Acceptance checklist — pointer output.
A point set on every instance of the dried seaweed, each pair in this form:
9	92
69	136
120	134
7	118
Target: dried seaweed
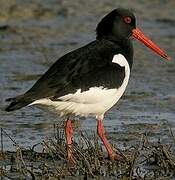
145	160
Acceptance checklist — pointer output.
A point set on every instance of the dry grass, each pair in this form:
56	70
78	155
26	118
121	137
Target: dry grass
143	161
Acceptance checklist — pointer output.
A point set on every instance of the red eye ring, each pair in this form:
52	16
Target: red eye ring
127	19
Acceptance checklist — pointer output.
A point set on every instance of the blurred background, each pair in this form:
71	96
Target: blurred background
35	33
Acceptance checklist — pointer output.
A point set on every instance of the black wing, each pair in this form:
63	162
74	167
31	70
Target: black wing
83	68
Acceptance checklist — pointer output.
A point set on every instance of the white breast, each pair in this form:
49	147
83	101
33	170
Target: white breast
95	101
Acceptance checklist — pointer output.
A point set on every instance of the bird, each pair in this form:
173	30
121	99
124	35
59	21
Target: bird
90	80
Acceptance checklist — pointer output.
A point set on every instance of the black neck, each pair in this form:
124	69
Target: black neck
126	47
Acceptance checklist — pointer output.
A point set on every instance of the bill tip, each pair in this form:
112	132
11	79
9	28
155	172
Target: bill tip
168	58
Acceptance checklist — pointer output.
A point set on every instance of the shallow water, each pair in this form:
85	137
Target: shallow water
35	34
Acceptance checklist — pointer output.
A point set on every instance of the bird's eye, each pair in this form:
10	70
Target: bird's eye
127	19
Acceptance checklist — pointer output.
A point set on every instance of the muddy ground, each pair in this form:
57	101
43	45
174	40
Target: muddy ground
34	34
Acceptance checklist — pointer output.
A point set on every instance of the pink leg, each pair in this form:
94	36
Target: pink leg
103	138
68	134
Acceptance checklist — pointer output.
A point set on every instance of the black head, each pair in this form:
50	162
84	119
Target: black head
119	24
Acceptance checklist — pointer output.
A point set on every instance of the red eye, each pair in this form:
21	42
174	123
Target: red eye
127	19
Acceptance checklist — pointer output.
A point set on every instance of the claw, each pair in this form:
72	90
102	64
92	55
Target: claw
115	157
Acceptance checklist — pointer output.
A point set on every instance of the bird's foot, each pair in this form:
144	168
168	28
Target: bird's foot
70	158
115	157
71	161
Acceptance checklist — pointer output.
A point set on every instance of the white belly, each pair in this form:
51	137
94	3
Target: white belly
95	101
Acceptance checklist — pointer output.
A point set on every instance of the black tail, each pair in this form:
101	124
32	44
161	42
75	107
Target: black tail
17	103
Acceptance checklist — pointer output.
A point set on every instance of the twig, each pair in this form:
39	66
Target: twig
136	152
2	148
9	136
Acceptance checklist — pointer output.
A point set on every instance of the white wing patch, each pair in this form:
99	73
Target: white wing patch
120	59
95	101
91	96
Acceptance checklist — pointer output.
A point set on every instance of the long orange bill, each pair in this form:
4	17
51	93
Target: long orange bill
138	34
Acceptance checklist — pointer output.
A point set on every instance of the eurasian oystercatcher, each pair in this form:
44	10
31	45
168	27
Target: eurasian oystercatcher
91	79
